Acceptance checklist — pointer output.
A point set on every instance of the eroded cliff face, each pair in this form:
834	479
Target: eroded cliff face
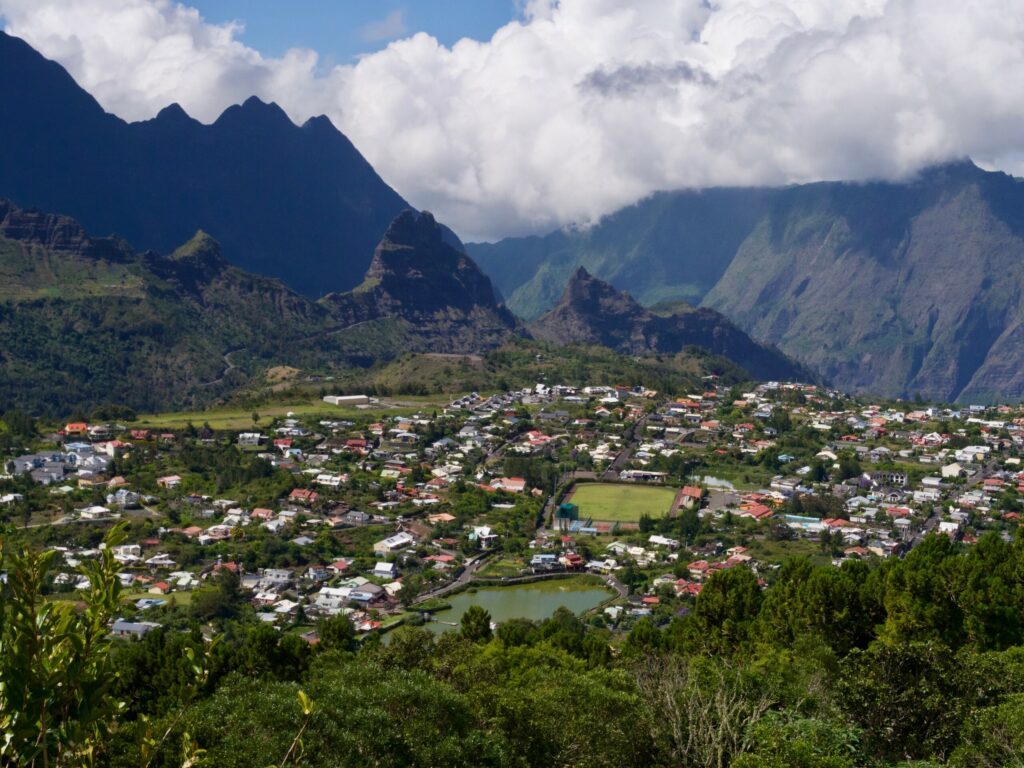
418	276
592	311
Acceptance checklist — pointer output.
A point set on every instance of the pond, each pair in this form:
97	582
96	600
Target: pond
535	601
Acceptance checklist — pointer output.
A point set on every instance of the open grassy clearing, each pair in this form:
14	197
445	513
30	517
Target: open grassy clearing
621	503
234	417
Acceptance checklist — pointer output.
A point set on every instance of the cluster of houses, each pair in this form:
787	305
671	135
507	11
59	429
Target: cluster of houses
887	474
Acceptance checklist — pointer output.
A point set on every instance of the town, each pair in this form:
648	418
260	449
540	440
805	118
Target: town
617	501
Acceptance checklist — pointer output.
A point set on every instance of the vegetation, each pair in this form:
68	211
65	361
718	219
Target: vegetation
612	502
865	665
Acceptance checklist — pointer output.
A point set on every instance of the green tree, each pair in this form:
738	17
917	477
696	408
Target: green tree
55	662
475	625
337	634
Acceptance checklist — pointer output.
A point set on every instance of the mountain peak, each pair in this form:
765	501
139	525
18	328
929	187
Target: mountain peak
418	276
592	311
256	181
580	275
254	111
175	114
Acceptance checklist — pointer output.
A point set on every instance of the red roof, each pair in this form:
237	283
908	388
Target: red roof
692	491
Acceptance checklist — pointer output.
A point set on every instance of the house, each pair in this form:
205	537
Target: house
509	484
699	570
132	630
367	593
170	481
690	495
483	535
384	570
303	496
250	439
952	470
400	540
661	541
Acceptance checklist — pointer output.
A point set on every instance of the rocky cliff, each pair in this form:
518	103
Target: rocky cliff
592	311
418	276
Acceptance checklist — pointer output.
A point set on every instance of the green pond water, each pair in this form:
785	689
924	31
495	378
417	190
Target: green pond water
527	601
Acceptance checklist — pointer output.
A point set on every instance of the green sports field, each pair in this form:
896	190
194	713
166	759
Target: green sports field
621	503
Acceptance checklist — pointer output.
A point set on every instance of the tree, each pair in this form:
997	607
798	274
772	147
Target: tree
475	625
337	633
55	662
782	740
703	710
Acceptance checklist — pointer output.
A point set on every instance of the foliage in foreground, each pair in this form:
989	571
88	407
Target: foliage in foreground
914	662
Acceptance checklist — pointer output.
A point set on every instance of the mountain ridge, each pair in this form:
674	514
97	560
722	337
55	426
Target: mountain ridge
260	184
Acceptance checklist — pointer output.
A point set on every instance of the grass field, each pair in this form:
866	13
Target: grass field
233	418
621	503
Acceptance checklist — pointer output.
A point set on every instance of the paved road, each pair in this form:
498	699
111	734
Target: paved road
629	442
464	578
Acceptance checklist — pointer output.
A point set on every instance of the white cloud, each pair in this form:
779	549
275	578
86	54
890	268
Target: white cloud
587	105
388	28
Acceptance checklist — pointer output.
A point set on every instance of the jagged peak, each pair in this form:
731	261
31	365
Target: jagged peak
200	248
413	229
581	274
174	113
255	110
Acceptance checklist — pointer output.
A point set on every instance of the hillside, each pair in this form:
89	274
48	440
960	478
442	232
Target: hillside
896	289
87	320
294	202
591	311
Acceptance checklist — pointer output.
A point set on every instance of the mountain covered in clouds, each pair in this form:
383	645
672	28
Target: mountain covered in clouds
294	202
890	288
591	311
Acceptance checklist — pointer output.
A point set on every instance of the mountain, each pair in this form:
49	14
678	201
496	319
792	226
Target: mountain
87	320
671	246
890	288
294	202
591	311
417	276
899	289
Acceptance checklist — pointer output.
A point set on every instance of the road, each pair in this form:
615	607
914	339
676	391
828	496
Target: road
464	578
629	444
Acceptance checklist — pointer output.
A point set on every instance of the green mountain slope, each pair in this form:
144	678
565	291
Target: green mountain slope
88	320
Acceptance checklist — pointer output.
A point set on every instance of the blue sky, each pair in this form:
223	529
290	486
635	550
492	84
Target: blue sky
340	30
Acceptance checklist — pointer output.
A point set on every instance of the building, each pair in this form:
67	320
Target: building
349	400
400	540
132	630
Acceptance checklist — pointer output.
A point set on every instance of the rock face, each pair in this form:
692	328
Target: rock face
894	289
899	289
591	311
294	202
418	276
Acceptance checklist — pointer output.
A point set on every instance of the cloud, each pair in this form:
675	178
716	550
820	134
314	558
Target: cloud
580	107
388	28
630	80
